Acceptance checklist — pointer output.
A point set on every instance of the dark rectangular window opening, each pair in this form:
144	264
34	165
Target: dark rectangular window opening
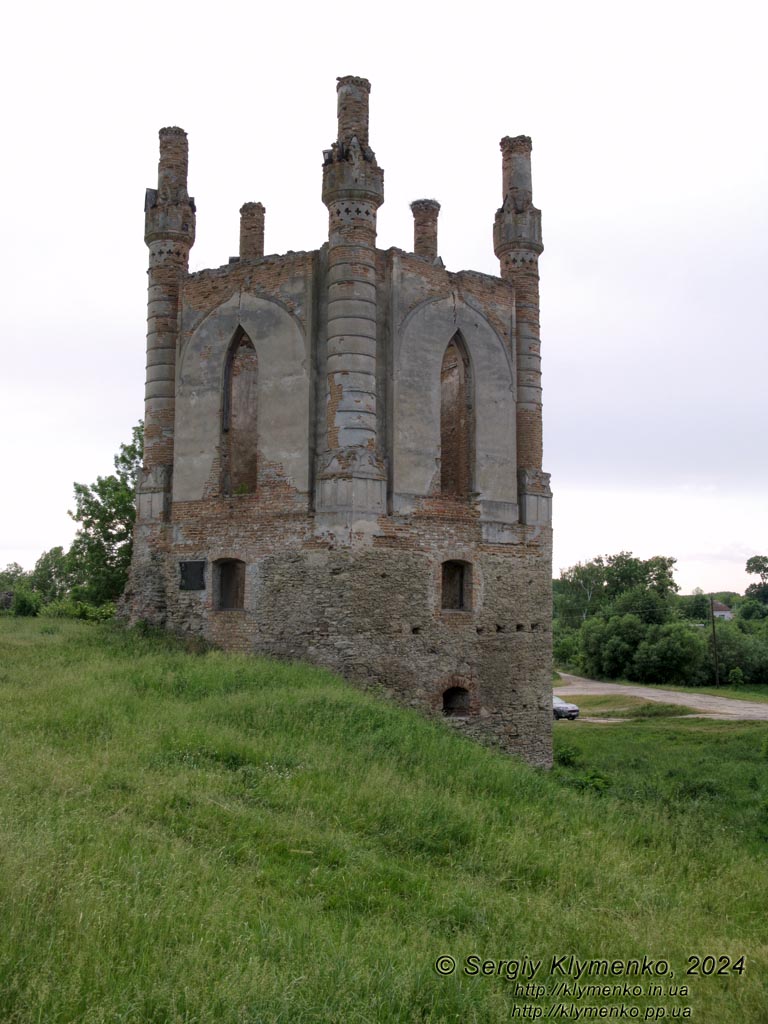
192	576
456	592
231	584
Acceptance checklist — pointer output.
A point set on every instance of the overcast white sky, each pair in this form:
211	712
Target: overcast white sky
650	157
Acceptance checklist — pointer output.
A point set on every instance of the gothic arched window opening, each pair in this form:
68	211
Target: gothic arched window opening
455	421
239	419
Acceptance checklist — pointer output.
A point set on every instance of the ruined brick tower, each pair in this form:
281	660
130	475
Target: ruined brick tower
343	450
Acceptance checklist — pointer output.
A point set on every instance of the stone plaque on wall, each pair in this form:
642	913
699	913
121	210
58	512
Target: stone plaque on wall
192	576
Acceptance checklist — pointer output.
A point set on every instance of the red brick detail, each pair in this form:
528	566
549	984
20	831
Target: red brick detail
251	231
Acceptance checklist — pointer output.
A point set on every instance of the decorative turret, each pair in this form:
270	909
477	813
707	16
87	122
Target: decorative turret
251	231
169	232
517	228
351	472
425	213
517	243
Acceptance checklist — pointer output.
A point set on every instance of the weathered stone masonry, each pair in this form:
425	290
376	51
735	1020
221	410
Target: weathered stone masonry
343	448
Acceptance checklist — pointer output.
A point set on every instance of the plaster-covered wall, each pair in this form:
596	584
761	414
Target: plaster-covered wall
418	354
283	393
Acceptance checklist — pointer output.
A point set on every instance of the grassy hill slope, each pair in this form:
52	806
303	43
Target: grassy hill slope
207	838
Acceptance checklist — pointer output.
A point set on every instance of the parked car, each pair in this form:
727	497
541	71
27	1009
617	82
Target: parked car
562	709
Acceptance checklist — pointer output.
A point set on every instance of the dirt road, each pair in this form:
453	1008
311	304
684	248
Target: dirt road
705	705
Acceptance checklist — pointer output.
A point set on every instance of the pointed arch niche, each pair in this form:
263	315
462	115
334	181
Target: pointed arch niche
284	396
239	417
417	396
456	420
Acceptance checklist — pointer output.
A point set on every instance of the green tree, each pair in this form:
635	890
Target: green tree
673	653
613	601
624	572
12	575
620	616
52	576
101	551
587	588
751	610
578	592
592	641
694	606
757	565
650	606
736	677
743	645
566	643
608	645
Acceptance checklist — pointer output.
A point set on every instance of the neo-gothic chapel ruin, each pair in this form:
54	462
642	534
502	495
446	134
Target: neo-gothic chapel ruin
342	456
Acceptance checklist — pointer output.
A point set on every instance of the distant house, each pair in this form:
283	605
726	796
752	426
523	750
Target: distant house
721	611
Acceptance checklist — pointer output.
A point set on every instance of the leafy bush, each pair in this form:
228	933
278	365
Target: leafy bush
751	610
739	647
566	644
673	653
68	608
591	779
100	612
570	757
25	601
608	647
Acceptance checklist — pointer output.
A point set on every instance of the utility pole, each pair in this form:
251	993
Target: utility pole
714	639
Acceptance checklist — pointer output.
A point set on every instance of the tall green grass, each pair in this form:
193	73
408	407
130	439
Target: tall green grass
205	838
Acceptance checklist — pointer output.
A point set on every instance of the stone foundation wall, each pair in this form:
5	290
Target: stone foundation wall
375	614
